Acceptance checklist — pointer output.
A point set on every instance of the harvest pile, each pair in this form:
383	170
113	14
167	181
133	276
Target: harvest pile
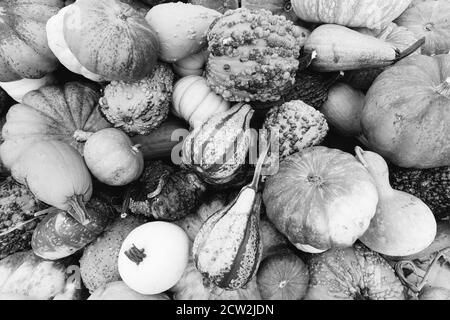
222	149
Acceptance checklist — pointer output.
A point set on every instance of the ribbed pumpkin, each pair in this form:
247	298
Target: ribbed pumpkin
354	273
24	49
108	38
195	102
407	113
321	198
57	175
217	149
350	13
429	19
64	113
228	248
283	276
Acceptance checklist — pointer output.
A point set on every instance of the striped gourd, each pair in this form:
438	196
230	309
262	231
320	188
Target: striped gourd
217	149
228	248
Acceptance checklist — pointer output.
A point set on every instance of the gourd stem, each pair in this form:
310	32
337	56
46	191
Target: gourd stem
257	175
136	148
444	88
46	211
136	255
410	50
78	211
18	226
425	277
161	184
126	203
82	136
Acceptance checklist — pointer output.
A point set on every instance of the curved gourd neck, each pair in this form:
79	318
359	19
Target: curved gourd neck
377	168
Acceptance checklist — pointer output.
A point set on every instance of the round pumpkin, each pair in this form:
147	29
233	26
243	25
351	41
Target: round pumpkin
112	158
195	102
350	13
57	175
108	38
355	273
407	113
153	257
283	276
429	19
24	52
181	28
65	113
192	286
321	198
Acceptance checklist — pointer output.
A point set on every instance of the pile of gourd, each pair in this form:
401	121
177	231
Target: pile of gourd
129	168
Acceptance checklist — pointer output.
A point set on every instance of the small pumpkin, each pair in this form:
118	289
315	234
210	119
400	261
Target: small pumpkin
339	48
321	198
18	89
63	113
350	13
118	290
153	257
98	37
27	276
283	276
57	175
416	137
354	273
343	109
112	158
193	286
24	49
403	224
180	28
429	19
59	235
193	65
195	102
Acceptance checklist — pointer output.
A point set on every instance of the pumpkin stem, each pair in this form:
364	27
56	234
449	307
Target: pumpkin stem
444	88
46	211
257	175
410	50
78	211
82	136
161	184
126	203
136	148
136	255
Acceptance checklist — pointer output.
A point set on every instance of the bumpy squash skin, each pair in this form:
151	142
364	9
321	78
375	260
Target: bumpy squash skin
59	235
406	114
320	199
64	113
24	274
242	72
25	52
429	19
350	13
111	39
180	28
354	273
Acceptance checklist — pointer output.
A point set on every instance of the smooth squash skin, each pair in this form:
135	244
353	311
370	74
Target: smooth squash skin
24	49
429	19
111	39
407	113
351	13
339	48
